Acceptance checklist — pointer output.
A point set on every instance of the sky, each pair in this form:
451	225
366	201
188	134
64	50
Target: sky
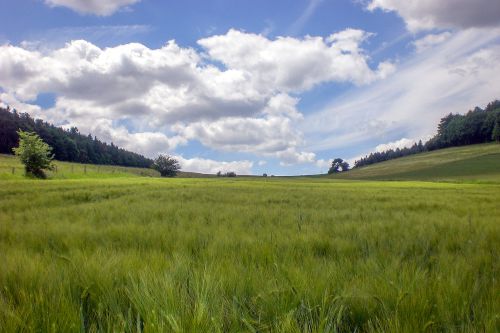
279	87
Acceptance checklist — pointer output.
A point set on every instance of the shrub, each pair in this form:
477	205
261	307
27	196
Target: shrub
35	154
166	165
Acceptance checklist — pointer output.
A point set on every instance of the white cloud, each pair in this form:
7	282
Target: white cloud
308	61
170	95
460	73
291	156
147	143
209	166
430	41
96	7
50	39
14	103
430	14
257	135
324	164
401	143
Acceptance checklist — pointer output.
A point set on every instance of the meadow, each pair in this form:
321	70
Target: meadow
141	254
472	163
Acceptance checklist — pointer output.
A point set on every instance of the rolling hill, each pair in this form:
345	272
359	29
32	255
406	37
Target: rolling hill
467	163
11	168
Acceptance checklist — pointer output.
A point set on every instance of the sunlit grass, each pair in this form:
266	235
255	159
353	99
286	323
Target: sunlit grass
474	163
260	255
11	168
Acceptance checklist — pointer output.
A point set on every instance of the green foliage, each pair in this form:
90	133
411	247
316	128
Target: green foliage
476	126
35	154
495	135
338	165
166	165
67	145
248	255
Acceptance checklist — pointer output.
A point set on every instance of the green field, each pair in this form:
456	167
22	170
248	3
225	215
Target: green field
11	168
116	252
468	163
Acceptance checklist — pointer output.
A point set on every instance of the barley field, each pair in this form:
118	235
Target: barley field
140	254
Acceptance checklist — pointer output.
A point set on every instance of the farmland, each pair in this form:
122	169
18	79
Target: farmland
134	253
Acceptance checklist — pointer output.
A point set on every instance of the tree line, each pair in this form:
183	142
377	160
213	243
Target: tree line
67	145
476	126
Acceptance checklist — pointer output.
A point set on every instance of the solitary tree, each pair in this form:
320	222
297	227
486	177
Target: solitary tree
338	165
496	130
35	154
166	165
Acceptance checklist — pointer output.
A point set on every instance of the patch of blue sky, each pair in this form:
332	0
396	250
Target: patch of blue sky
45	100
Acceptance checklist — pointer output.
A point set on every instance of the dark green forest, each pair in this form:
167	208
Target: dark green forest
476	126
67	145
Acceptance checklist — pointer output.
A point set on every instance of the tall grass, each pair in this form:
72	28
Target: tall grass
224	255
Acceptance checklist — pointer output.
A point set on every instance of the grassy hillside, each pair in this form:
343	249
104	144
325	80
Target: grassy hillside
468	163
11	168
248	255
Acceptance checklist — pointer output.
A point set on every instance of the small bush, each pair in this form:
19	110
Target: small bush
35	154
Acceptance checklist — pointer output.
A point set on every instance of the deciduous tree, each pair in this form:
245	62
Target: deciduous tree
35	154
166	165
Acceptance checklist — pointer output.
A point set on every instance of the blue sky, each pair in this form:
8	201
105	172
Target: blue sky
280	87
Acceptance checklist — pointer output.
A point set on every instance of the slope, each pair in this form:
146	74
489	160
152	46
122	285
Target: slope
467	163
11	168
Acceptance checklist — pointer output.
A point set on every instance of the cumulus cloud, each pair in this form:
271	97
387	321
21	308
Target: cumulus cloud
308	61
170	95
430	41
291	156
96	7
209	166
430	14
147	143
401	143
323	164
258	135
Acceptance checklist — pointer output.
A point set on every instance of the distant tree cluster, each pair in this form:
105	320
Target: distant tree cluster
476	126
67	145
338	165
390	154
227	174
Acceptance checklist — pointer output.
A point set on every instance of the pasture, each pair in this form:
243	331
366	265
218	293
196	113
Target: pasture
137	254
